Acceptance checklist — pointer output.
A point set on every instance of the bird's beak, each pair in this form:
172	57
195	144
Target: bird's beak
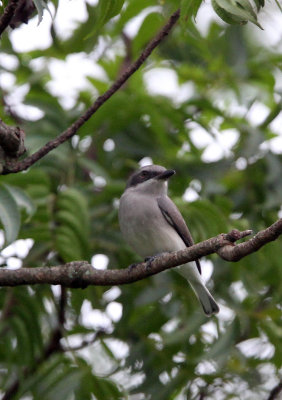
166	174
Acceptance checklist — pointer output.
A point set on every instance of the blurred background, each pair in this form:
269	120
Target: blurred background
206	103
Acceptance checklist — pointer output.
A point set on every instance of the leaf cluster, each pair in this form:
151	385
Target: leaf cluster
151	339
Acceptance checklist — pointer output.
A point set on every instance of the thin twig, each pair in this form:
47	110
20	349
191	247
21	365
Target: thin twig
85	342
275	391
72	130
81	274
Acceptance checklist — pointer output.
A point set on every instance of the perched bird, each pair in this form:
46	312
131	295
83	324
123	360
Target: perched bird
152	224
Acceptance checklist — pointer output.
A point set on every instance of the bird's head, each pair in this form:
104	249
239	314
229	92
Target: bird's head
150	179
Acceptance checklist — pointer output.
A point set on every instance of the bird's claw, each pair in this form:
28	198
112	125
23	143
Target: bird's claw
148	261
132	266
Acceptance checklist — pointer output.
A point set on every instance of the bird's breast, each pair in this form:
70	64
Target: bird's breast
144	227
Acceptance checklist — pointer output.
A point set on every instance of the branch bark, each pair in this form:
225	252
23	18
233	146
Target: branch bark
8	14
72	130
80	274
11	140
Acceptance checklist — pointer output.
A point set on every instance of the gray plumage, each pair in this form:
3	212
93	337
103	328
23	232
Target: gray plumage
151	224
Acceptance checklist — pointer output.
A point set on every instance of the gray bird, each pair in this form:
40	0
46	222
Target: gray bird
152	224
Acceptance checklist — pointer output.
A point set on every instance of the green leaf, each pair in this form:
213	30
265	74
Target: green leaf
67	244
9	215
73	201
72	226
40	5
64	384
22	199
151	24
226	16
277	2
23	339
190	8
106	9
235	11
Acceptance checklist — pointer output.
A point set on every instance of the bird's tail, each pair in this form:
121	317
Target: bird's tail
208	303
191	273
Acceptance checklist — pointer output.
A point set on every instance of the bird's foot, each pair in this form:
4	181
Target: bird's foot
132	266
149	260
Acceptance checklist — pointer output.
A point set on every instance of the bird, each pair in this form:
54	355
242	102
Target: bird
151	224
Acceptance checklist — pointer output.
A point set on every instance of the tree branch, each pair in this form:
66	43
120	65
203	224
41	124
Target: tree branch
275	391
11	140
8	15
72	130
85	342
81	274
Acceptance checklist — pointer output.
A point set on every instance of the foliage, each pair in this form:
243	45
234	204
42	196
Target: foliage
219	131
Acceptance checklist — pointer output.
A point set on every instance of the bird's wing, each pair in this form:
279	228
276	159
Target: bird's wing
173	216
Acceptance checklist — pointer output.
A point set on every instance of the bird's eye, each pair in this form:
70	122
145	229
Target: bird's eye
144	173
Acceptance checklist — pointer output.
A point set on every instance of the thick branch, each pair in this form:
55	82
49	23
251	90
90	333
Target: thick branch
72	130
8	15
81	274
